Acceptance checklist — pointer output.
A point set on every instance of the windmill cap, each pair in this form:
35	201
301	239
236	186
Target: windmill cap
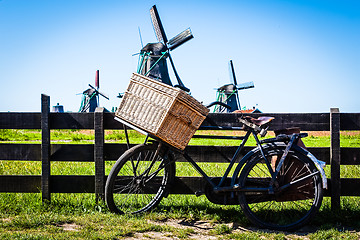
228	88
155	48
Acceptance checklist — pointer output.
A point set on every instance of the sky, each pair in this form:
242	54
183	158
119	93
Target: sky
302	55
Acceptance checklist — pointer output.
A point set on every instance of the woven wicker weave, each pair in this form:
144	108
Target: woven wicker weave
161	110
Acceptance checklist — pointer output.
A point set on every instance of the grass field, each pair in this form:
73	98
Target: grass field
78	216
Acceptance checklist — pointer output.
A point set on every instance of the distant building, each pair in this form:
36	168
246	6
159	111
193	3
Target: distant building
253	110
58	108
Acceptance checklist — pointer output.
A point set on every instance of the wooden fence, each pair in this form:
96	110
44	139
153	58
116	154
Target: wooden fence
99	152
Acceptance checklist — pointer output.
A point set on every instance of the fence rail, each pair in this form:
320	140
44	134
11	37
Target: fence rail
99	152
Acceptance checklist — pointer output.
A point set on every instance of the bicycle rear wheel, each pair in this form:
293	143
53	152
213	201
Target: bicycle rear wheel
288	207
139	180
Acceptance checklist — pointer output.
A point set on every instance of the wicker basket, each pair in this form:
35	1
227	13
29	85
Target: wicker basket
161	110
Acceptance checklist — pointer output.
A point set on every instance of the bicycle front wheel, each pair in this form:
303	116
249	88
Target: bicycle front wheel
297	192
139	180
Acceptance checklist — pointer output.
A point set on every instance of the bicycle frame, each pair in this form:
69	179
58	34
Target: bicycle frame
227	171
220	187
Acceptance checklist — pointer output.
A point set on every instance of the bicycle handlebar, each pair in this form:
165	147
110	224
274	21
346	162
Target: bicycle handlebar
218	103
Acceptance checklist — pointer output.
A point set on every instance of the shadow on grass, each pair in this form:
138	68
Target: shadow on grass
341	220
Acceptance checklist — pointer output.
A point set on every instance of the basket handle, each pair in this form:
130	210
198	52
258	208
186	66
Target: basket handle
183	117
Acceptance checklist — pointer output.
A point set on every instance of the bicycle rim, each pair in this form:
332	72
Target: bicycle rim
139	180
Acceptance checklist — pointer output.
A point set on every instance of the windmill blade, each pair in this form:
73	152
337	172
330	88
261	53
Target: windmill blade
245	85
97	83
181	84
92	86
98	92
104	95
141	41
180	39
158	27
233	73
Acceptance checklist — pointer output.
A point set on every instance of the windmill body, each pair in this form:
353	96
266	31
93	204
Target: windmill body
154	62
229	93
91	96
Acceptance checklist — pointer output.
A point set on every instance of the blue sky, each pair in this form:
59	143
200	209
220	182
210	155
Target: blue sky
302	55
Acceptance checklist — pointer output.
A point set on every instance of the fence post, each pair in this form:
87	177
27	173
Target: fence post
335	158
99	153
45	148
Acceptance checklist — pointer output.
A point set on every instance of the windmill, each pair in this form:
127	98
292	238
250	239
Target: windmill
229	93
91	96
152	61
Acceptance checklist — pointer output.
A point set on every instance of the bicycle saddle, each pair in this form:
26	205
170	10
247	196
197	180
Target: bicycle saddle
260	120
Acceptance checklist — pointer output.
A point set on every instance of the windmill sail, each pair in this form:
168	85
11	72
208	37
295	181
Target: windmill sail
180	39
158	27
245	85
97	83
232	71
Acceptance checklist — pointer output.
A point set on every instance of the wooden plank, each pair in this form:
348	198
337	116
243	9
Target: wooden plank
72	152
350	187
321	153
72	184
212	153
20	183
45	148
22	152
307	122
349	121
20	120
72	120
99	153
112	151
188	185
110	122
335	158
350	156
86	184
59	184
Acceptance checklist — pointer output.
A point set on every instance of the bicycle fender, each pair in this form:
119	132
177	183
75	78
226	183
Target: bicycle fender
318	164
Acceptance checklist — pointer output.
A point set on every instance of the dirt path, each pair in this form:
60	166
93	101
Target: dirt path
205	230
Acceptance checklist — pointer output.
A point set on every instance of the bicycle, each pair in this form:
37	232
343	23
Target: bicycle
278	184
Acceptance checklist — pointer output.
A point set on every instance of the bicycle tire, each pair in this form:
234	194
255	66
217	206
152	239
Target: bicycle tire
135	184
284	210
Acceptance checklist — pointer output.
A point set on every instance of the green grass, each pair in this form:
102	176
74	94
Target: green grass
25	216
347	139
